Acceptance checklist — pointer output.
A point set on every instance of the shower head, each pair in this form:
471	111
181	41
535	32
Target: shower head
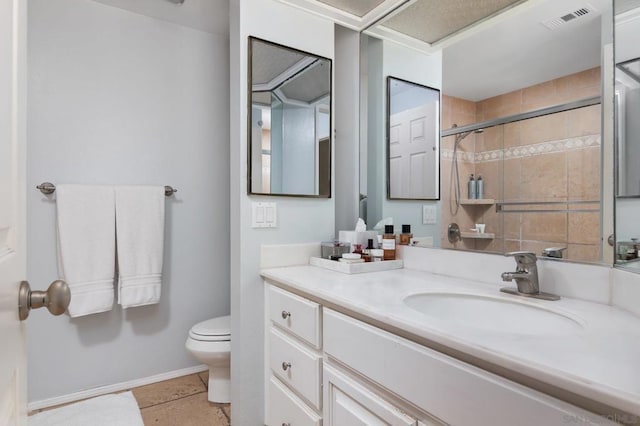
461	136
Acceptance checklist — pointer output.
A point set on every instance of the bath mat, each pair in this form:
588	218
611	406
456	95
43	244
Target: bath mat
108	410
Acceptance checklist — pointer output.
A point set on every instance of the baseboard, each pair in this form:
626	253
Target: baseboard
116	387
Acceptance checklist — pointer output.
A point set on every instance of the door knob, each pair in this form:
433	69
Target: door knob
56	298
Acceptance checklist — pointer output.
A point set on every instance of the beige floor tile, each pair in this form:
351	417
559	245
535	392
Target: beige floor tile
169	390
193	410
227	410
204	376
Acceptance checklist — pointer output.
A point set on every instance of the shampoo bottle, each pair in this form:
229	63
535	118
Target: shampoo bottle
389	243
472	188
479	188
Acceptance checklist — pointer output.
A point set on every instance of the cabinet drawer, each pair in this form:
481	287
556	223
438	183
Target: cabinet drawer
287	409
451	390
347	403
296	315
303	367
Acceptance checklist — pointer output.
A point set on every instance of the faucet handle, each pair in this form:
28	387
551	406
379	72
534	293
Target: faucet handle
524	257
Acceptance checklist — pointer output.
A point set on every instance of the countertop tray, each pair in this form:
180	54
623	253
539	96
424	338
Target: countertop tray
355	268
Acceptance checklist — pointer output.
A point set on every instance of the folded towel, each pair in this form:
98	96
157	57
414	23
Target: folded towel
86	246
140	241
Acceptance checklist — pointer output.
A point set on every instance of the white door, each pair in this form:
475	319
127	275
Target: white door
412	152
12	210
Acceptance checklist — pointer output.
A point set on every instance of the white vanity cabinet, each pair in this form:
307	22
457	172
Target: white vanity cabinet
328	368
294	359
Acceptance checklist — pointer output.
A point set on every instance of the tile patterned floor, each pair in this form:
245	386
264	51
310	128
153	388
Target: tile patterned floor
179	402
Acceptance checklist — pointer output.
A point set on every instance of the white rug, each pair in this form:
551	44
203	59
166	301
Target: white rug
108	410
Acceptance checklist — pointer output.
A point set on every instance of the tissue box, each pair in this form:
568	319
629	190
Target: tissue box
357	237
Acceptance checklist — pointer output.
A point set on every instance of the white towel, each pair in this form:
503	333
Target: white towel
140	241
107	410
86	246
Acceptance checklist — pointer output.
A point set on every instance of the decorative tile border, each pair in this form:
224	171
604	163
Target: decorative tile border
549	147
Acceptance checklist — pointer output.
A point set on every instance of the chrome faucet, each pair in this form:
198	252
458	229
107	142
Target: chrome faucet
526	277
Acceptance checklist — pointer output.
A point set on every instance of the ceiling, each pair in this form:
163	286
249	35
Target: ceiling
355	7
211	16
433	20
294	76
520	51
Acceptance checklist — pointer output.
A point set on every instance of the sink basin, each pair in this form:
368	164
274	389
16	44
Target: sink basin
493	314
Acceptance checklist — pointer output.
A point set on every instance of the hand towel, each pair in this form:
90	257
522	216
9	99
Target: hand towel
86	246
140	243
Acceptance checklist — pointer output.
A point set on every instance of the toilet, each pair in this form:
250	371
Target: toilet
210	342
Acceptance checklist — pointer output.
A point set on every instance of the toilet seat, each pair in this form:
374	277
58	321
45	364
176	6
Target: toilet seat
212	330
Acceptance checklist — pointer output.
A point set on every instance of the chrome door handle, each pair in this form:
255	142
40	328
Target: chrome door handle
286	365
56	298
286	314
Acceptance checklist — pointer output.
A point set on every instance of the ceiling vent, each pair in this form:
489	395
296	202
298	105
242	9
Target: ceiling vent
556	23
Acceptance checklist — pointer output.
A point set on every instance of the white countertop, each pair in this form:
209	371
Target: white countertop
600	362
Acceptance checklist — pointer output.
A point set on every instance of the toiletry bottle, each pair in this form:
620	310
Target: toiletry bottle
405	237
479	188
472	187
389	243
366	253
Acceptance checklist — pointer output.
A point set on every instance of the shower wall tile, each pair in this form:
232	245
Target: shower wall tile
491	173
583	252
511	179
501	106
491	139
512	225
584	228
584	121
550	158
511	134
544	177
543	129
583	170
545	227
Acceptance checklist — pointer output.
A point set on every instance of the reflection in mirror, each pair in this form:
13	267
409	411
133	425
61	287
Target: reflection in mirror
289	151
521	112
413	140
627	95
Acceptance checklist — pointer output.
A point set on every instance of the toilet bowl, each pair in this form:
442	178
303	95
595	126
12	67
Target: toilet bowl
210	342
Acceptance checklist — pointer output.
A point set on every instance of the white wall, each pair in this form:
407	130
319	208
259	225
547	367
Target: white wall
299	150
120	98
347	124
299	219
390	59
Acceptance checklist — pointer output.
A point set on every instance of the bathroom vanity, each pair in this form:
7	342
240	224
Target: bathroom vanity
409	347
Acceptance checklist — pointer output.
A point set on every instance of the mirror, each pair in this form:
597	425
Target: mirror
627	97
413	141
522	106
289	138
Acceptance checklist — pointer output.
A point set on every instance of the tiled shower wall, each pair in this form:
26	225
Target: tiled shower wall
551	158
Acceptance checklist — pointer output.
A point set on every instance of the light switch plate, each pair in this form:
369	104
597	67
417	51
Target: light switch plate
428	214
263	215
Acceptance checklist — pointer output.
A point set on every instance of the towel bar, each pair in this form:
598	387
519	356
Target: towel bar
48	188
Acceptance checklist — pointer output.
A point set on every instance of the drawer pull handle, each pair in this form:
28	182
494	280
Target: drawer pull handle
286	314
286	424
286	365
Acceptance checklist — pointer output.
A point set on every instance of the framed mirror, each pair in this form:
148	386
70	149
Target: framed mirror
413	141
289	121
627	132
526	148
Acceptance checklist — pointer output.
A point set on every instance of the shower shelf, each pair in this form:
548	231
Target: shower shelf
478	202
478	236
